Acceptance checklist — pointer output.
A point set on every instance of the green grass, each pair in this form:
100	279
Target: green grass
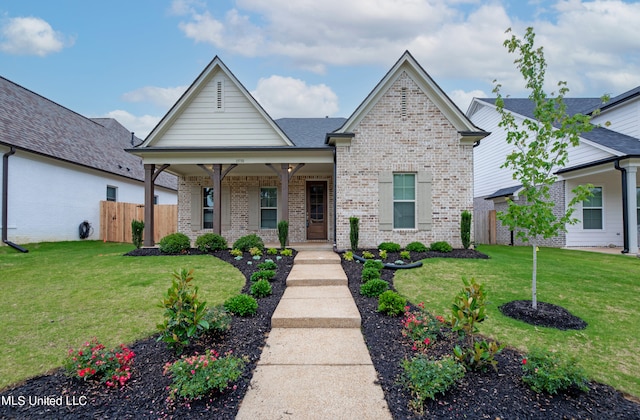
60	295
603	290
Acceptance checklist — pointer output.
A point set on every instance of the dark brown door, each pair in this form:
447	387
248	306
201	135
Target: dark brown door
317	210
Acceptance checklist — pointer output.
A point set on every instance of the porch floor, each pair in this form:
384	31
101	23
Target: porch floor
603	250
304	246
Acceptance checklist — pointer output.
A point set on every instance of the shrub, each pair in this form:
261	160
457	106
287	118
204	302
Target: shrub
416	247
247	242
260	289
195	376
267	265
286	252
184	312
211	242
354	232
367	255
137	228
283	233
241	305
94	362
236	252
405	255
374	288
175	243
272	251
377	264
465	229
219	319
390	303
425	378
348	256
421	327
548	372
370	274
469	309
255	252
263	275
389	246
441	246
382	253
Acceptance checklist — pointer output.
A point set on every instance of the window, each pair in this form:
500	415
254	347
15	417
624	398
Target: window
155	199
112	193
268	208
404	201
592	210
207	208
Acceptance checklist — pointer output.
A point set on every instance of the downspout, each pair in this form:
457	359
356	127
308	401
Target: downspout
335	196
625	210
5	199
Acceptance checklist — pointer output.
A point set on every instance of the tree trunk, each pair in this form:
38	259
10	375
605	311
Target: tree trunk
534	292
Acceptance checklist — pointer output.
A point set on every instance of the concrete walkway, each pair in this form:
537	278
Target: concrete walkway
315	364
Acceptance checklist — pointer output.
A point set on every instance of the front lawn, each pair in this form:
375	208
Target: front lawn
59	295
603	290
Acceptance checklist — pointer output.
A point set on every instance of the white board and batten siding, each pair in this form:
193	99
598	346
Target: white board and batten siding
220	115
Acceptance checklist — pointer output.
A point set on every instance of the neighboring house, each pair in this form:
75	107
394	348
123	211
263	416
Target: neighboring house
607	157
58	165
401	163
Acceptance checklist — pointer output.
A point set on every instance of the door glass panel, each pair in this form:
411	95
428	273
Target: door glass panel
316	198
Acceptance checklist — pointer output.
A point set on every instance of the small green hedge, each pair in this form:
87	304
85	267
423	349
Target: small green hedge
175	243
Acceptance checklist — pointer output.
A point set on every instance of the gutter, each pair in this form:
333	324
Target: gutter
5	199
625	210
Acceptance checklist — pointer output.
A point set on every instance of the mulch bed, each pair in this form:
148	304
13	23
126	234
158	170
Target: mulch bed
479	395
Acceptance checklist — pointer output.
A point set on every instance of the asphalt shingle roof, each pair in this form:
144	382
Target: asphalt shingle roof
309	132
36	124
622	143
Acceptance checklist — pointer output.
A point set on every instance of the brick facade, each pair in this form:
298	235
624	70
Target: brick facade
409	135
239	187
503	234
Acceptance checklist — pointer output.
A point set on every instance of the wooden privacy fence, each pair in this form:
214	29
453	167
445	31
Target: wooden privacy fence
115	220
485	227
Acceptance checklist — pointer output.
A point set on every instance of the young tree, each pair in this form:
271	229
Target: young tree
540	146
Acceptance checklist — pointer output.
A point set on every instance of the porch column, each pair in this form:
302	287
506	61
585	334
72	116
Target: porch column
632	206
216	177
284	181
149	224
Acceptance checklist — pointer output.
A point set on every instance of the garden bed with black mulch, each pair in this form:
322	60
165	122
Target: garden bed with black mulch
480	394
145	395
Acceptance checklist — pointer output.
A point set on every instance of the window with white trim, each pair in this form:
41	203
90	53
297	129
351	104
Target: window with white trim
404	201
207	208
592	210
112	193
268	208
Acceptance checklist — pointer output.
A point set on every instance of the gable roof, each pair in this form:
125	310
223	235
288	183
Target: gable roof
407	63
35	124
617	142
214	68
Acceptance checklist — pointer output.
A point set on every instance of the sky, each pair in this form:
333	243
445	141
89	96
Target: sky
132	59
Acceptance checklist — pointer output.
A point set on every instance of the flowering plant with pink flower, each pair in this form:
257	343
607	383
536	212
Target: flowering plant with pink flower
93	361
195	376
421	327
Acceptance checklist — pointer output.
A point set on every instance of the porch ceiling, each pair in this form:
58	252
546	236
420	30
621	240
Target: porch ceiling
253	169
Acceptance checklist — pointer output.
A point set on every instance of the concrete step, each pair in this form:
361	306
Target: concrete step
316	307
317	275
317	257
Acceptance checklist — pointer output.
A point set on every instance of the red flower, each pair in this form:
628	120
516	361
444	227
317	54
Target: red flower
524	361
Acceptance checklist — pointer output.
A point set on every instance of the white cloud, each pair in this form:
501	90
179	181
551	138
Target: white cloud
140	125
289	97
31	36
463	99
162	97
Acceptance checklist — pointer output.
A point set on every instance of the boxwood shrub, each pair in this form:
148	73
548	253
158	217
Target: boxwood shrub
242	305
211	242
245	243
441	246
390	303
175	243
389	247
374	288
417	247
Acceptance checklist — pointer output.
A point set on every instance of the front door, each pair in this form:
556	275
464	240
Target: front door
317	210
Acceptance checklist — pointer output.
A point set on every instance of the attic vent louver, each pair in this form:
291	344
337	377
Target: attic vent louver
219	96
403	102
